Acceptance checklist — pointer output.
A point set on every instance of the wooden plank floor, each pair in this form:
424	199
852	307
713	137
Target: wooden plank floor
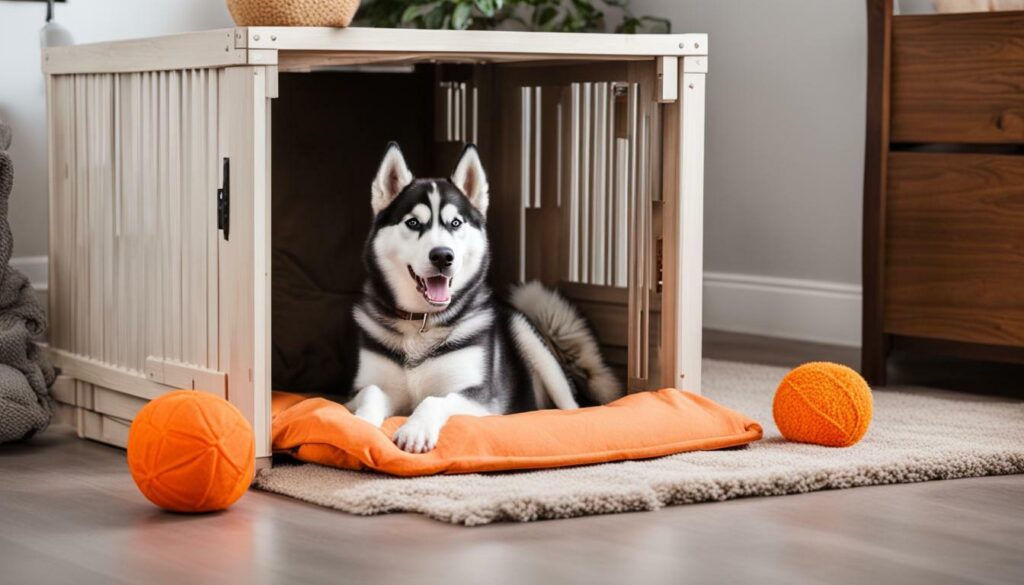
69	513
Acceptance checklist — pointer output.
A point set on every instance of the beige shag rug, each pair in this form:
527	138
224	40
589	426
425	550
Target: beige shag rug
917	435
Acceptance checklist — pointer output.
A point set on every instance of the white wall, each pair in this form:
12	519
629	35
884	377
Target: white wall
784	164
22	97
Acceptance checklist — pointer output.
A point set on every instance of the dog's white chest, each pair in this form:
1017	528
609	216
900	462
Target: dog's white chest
417	343
428	372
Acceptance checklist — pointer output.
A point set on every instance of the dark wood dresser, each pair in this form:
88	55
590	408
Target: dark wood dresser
944	186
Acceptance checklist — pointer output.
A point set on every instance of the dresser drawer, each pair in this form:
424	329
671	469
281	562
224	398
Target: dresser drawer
958	78
954	251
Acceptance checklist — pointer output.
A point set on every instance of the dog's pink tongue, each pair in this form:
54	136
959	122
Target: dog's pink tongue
437	289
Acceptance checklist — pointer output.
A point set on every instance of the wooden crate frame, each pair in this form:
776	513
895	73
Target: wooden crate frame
127	317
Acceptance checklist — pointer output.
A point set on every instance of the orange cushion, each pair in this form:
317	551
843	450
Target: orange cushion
638	426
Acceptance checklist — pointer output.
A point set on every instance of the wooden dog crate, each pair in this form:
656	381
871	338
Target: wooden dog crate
209	197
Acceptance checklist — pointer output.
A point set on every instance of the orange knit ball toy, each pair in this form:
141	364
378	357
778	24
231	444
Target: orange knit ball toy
823	403
189	451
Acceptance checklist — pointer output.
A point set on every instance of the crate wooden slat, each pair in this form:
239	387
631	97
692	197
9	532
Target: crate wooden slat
480	44
96	412
243	257
102	427
213	48
304	47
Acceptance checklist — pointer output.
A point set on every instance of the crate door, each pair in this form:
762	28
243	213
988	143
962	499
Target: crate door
244	243
133	270
577	195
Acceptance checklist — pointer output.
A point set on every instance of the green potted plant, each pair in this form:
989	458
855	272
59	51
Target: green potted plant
539	15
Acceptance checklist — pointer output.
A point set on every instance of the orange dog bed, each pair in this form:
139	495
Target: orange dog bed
638	426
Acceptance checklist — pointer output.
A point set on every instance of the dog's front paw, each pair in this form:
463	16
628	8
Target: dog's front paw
417	436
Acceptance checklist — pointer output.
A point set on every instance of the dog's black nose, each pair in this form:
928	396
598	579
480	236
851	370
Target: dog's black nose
442	257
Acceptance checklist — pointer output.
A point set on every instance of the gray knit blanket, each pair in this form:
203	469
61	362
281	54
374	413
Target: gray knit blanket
25	374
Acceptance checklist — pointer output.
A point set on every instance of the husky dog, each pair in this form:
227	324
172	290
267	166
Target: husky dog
434	340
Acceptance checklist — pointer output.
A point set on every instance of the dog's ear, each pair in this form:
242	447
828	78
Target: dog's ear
469	176
392	177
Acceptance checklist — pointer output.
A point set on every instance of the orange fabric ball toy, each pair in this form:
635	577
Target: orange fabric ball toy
189	451
823	403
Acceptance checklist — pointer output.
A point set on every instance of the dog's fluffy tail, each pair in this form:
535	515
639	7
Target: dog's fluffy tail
571	340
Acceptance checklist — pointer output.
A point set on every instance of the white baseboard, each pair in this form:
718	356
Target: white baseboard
35	268
808	310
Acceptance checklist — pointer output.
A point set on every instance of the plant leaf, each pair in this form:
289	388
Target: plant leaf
546	15
487	7
561	15
435	17
461	17
414	11
411	13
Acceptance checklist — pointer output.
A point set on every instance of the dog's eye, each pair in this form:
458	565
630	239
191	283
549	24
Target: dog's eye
456	223
413	223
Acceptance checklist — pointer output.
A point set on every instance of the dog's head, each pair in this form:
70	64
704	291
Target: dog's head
428	240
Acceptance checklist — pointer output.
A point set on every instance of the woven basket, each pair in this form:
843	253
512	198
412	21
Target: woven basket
292	12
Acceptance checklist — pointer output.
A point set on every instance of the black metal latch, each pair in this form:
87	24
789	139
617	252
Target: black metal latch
224	201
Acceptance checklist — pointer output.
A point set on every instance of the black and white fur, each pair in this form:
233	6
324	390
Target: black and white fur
434	339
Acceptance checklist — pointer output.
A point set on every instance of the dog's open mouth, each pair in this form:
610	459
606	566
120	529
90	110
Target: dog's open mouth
436	289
